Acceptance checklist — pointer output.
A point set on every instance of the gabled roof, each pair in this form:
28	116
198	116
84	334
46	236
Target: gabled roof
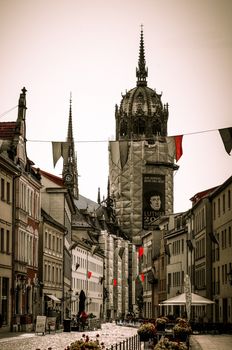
56	179
7	130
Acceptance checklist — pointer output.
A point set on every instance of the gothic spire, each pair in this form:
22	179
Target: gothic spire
141	71
70	173
70	130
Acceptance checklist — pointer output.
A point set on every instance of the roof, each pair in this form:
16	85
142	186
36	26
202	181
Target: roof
56	179
86	203
221	187
7	130
200	195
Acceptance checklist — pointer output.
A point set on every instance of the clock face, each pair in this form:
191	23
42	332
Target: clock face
68	177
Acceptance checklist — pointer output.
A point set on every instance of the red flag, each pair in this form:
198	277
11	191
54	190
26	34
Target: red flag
115	282
178	143
89	274
142	277
140	251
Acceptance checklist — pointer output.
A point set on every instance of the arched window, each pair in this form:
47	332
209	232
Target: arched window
123	128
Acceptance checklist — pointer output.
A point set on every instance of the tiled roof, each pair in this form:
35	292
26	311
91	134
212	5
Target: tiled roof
7	130
86	203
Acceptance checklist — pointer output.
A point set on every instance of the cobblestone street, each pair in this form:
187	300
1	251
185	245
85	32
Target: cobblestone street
109	334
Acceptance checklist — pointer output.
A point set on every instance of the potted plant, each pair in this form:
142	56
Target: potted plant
146	331
161	322
182	329
165	343
85	343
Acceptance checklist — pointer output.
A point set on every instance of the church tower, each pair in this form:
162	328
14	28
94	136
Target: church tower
70	174
141	163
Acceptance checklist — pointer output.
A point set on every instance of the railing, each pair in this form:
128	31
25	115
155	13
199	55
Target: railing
131	343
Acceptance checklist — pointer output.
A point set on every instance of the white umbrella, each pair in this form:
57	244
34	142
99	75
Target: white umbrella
188	295
181	300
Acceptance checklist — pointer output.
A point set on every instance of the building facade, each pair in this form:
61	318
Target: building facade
8	174
221	246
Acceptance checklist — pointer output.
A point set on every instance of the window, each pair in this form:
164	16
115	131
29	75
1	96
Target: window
214	210
8	192
49	241
2	239
219	205
229	236
2	189
223	203
46	240
8	241
229	200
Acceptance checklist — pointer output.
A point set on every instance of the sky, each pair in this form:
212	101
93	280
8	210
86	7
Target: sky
90	48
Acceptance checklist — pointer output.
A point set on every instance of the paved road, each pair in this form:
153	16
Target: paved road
109	334
212	342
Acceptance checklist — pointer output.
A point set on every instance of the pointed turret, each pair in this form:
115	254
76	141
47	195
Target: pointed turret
141	71
98	196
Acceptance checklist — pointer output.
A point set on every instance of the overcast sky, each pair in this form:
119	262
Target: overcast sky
91	48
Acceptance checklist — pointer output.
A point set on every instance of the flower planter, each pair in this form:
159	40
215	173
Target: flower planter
181	337
145	337
160	327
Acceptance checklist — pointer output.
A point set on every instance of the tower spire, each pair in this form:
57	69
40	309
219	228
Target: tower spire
141	71
70	129
70	173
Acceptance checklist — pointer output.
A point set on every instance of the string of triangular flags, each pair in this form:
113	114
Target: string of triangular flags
225	133
119	148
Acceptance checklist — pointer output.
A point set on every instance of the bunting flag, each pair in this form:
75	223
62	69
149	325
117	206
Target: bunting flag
89	274
175	146
178	143
142	277
123	148
115	282
60	149
140	251
226	135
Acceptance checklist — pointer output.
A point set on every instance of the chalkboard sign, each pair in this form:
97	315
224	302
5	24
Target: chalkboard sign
40	324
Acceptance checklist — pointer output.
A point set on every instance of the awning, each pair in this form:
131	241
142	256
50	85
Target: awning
53	297
181	300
